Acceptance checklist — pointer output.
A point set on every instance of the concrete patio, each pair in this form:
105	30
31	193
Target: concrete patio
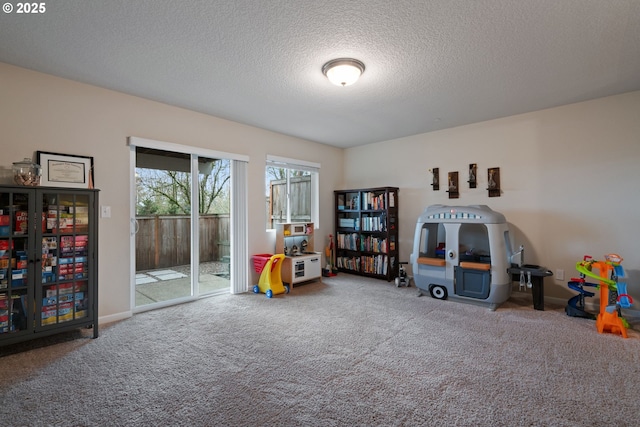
171	283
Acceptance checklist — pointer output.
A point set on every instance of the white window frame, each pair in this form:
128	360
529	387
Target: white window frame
314	168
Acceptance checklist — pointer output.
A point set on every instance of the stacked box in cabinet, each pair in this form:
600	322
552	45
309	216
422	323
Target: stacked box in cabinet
49	284
366	232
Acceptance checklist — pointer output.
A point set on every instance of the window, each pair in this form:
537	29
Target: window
291	191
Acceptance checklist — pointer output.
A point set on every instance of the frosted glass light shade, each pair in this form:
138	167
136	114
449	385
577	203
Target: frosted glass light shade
343	71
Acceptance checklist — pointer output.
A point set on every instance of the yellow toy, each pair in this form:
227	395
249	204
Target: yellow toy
269	267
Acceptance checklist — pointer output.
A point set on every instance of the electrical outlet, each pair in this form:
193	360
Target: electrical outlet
559	274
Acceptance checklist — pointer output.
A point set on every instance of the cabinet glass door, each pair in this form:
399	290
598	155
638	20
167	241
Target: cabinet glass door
15	269
64	293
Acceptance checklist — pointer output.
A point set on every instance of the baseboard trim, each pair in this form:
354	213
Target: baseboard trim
592	307
114	317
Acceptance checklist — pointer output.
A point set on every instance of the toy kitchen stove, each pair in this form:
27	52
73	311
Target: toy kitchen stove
301	263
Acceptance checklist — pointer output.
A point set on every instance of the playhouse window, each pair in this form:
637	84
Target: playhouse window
473	241
432	238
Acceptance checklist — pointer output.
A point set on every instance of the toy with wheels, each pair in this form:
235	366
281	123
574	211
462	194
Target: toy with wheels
403	279
270	267
438	292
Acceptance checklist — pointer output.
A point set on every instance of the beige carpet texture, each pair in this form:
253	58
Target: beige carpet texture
347	351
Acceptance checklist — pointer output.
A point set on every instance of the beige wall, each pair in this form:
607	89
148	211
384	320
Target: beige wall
569	175
41	112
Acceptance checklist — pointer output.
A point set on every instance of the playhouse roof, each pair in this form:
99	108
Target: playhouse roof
473	214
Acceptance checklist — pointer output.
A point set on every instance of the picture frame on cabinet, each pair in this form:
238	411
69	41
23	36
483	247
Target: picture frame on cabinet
65	170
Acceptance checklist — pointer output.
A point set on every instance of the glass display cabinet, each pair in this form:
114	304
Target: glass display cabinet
48	261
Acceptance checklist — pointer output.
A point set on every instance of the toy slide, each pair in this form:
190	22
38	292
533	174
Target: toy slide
583	269
624	299
575	306
618	271
577	285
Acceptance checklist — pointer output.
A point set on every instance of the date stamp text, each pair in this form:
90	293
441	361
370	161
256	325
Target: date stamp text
25	8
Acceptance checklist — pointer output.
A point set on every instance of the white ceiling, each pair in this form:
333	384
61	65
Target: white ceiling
430	64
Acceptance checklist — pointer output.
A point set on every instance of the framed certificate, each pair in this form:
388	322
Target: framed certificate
65	170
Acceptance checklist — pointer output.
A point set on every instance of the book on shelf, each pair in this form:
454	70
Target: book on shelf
374	223
373	201
373	244
347	222
374	264
348	241
348	263
354	201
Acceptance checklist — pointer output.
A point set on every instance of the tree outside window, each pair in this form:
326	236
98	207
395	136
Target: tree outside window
168	192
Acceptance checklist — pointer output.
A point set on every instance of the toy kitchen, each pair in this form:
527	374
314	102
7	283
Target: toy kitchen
301	263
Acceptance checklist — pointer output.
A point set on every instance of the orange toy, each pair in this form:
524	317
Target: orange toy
608	319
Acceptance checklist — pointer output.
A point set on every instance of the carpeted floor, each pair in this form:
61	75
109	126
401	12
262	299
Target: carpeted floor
345	352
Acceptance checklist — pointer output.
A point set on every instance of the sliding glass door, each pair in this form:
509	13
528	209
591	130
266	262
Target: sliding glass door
213	225
182	220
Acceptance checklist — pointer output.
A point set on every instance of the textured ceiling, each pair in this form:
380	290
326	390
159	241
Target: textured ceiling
430	64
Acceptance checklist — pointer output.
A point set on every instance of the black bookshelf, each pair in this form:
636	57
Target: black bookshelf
366	232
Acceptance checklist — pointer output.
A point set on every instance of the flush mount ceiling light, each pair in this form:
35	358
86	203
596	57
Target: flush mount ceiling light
343	71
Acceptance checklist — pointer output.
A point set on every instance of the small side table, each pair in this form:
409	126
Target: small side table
533	276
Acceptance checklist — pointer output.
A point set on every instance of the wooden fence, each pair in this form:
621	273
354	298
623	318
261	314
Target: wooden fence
300	200
164	241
